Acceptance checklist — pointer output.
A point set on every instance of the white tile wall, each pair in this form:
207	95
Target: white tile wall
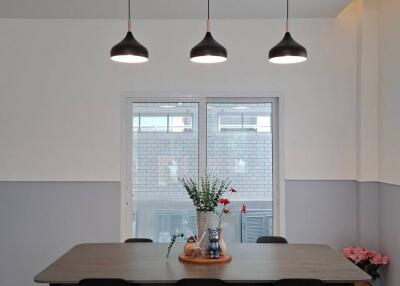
244	157
159	158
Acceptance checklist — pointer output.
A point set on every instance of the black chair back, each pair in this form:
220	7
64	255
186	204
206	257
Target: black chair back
138	240
299	282
200	282
103	282
271	239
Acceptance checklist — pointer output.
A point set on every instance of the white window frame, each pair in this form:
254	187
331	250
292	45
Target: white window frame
202	100
168	116
242	115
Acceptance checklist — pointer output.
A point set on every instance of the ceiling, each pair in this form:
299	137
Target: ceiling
169	9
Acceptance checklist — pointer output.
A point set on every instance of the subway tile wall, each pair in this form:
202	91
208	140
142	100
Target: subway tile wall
244	157
159	159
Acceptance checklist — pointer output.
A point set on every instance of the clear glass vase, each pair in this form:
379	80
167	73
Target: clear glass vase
204	222
222	244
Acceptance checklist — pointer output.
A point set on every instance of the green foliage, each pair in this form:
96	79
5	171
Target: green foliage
172	242
370	268
206	192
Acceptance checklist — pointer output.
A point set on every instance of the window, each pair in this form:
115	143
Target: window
165	145
174	123
241	122
180	123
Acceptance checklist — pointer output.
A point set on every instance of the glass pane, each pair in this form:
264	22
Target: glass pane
228	123
153	123
136	123
245	157
180	123
257	123
164	149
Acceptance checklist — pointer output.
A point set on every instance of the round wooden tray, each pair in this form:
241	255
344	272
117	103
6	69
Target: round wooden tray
198	260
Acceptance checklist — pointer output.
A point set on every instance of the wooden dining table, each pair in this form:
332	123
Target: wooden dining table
146	263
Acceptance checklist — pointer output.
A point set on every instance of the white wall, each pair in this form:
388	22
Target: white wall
368	89
389	91
60	93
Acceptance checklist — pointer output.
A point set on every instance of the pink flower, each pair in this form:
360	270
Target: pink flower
359	254
356	254
243	209
379	259
224	201
226	211
358	249
385	260
371	253
232	190
347	252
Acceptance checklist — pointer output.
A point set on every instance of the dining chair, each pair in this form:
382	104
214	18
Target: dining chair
200	282
103	282
138	240
299	282
271	239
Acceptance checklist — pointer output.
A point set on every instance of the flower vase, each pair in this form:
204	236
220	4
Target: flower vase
222	244
204	222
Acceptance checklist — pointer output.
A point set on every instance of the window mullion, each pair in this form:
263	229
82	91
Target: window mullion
202	124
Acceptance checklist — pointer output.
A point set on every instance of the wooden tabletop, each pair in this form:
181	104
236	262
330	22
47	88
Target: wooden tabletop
251	263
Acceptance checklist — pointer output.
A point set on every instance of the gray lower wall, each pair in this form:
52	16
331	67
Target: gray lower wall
390	231
39	221
341	213
321	212
368	214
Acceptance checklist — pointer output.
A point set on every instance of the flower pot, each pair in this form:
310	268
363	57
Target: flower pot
204	222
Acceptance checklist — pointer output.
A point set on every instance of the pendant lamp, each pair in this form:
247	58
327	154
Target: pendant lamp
287	51
208	51
129	50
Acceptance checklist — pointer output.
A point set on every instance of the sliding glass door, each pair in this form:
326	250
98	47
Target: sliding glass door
228	138
164	148
239	147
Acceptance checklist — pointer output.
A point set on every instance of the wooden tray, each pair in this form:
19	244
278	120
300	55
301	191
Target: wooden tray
198	260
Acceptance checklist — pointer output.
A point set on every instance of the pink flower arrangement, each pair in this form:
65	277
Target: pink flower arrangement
243	210
368	260
224	201
222	209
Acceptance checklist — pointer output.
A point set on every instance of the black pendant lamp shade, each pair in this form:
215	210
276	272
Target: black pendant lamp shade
287	51
129	50
208	51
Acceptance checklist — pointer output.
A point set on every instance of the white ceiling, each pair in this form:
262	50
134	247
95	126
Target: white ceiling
169	9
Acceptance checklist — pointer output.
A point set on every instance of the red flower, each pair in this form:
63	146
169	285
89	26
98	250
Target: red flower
232	190
224	201
244	209
226	211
